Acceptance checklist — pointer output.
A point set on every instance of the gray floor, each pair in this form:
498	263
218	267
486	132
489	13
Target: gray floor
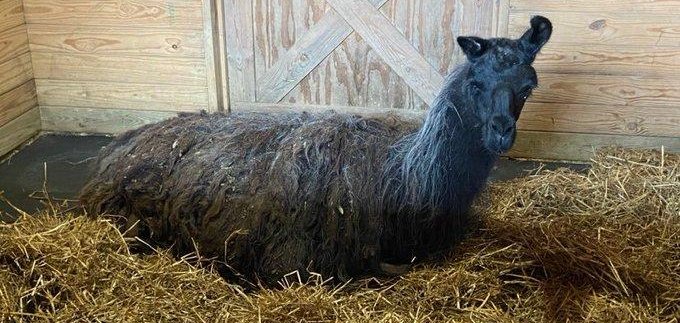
69	159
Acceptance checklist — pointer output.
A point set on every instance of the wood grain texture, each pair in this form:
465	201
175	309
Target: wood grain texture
602	119
580	147
15	72
594	59
210	38
17	102
305	54
238	22
185	14
97	121
353	74
501	16
391	46
123	69
11	14
640	7
220	55
625	29
19	130
13	42
121	40
121	95
606	90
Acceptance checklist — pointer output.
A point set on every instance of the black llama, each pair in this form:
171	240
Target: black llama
336	194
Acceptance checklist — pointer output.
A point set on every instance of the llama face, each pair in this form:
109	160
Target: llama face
501	79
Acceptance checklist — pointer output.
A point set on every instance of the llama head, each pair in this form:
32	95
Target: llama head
500	79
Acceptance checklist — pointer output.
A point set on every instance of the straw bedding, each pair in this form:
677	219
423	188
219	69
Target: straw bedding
601	246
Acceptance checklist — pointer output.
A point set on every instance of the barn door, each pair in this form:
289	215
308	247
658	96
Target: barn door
346	54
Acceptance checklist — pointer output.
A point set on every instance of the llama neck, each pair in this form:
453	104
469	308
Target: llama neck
444	164
434	175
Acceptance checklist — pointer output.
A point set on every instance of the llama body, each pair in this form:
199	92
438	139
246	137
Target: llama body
337	194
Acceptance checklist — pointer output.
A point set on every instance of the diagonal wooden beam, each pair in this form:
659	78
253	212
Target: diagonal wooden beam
391	45
305	55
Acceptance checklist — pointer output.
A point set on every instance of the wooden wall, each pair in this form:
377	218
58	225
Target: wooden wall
347	53
19	116
107	66
608	76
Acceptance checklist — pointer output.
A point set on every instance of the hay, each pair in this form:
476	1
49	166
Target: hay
603	246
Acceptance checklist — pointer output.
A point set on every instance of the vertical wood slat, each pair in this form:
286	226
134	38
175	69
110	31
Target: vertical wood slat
221	55
238	22
390	44
210	36
476	17
501	17
307	52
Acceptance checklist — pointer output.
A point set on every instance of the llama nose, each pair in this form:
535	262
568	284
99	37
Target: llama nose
503	131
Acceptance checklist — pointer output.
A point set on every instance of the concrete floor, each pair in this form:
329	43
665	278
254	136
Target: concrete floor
69	160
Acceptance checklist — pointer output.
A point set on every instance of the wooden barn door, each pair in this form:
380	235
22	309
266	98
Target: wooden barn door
346	54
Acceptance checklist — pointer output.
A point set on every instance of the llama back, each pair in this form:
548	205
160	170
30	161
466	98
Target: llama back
267	194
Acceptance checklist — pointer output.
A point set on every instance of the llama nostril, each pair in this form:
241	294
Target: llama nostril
508	131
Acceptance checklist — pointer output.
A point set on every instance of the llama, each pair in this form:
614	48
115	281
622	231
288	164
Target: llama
337	194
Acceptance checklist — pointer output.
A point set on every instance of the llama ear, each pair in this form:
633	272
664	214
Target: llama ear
473	47
539	34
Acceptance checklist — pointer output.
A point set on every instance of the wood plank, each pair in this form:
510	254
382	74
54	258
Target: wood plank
15	72
625	29
17	102
580	147
19	130
185	14
610	60
222	72
210	40
124	69
606	90
11	14
390	44
121	95
434	40
476	18
238	21
353	74
106	121
501	17
307	52
603	119
120	40
13	42
655	7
